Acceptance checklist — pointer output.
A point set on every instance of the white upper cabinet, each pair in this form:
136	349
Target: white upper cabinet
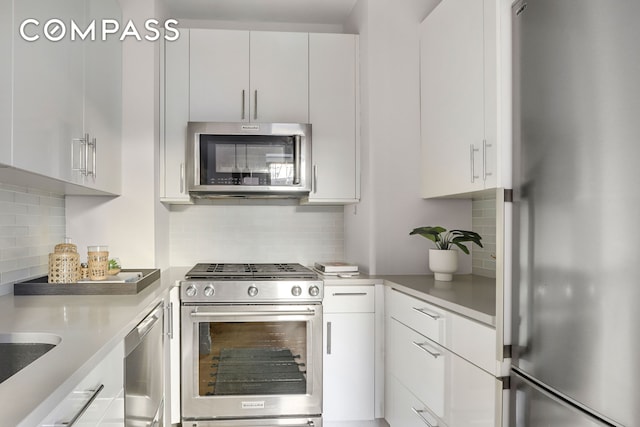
103	103
63	91
279	77
333	113
175	101
48	91
218	79
248	76
459	111
6	16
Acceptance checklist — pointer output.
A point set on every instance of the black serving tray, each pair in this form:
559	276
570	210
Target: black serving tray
40	285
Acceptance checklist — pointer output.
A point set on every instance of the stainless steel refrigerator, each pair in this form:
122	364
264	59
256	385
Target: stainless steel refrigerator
576	260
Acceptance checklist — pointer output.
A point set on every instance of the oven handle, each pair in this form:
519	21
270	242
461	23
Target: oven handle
308	312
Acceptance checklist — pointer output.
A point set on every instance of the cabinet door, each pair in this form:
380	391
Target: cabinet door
103	102
6	65
48	84
219	75
279	77
333	116
175	118
452	98
348	367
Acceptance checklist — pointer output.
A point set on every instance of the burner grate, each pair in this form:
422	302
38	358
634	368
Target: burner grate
272	271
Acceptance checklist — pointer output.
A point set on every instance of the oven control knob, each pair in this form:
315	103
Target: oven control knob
209	291
314	291
191	291
296	291
253	291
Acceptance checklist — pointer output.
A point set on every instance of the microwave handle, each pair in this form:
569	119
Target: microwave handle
298	158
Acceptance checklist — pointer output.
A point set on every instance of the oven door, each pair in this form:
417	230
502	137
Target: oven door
249	361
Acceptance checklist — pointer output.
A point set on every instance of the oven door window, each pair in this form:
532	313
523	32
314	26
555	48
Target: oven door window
264	160
252	358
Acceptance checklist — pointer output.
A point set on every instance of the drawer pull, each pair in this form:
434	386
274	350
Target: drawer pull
76	417
434	316
424	347
423	414
349	294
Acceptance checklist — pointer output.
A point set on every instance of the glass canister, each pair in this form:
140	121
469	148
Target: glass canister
98	260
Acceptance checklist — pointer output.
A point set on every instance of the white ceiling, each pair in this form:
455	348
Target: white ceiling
286	11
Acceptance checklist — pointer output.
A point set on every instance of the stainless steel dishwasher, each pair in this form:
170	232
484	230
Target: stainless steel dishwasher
144	372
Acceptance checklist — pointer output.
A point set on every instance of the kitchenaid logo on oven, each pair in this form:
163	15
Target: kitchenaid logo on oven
55	30
258	404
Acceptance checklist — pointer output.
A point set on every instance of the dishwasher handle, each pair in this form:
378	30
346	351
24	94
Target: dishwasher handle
136	336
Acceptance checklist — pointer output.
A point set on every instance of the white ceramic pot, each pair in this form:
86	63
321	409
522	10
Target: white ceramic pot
443	263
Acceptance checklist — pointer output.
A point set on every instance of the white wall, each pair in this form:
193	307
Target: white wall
132	223
376	231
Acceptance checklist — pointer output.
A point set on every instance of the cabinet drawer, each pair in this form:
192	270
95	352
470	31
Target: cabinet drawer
349	299
425	318
97	391
418	364
472	340
444	384
406	410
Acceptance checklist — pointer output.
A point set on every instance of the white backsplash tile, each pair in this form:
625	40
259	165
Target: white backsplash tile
255	233
32	222
484	223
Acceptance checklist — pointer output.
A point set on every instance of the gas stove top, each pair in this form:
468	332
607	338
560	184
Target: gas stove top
251	283
250	272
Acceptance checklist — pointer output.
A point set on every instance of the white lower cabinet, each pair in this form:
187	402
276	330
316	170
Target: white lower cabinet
97	400
428	382
348	360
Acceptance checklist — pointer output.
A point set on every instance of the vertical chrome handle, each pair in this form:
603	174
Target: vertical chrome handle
83	143
242	117
485	174
86	155
182	178
422	414
315	179
297	147
255	105
328	337
170	320
94	149
472	151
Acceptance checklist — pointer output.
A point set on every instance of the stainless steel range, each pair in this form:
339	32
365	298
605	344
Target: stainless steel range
251	346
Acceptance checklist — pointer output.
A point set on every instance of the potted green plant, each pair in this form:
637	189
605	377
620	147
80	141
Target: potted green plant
443	260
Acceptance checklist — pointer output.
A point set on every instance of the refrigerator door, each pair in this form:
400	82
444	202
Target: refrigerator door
535	407
577	201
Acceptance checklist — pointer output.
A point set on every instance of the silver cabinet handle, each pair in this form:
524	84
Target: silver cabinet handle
182	178
242	116
472	151
94	147
349	294
170	320
434	316
76	417
425	347
255	105
84	141
485	174
315	179
297	146
421	414
328	337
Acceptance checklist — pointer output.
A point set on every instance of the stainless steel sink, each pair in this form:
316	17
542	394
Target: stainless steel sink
18	350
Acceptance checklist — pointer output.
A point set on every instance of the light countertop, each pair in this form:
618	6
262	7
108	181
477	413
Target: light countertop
469	295
90	326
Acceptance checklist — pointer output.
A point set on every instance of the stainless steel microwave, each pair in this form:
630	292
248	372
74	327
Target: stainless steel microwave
248	159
